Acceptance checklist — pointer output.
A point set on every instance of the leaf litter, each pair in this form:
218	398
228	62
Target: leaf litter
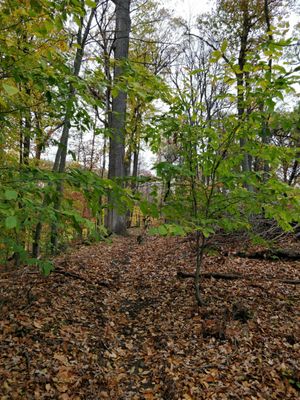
128	328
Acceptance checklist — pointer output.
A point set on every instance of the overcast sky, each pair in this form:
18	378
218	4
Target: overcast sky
190	8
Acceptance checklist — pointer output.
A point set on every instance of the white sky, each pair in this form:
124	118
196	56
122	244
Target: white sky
190	8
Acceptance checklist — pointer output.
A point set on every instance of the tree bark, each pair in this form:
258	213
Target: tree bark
116	222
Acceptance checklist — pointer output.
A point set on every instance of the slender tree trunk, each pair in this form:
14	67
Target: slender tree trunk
127	160
21	139
61	154
266	133
116	222
136	146
38	139
241	88
26	146
295	168
135	167
93	142
100	219
27	134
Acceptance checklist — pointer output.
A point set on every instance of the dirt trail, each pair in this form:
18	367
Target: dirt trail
129	328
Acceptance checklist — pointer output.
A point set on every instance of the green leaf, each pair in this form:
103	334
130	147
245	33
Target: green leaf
224	46
168	230
160	230
10	90
46	267
148	208
91	3
216	55
207	232
10	195
11	222
176	230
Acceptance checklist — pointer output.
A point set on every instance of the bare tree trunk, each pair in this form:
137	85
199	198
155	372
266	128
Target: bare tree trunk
116	222
127	160
21	139
241	84
61	154
26	147
93	142
38	139
27	133
136	146
266	133
135	167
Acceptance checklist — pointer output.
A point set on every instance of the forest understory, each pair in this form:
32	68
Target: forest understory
116	322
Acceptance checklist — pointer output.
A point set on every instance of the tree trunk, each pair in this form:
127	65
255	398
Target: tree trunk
116	222
241	86
61	154
26	148
266	133
135	169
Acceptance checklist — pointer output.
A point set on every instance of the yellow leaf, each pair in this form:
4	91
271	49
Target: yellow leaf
62	358
48	387
104	395
37	324
64	396
148	396
66	375
129	346
62	388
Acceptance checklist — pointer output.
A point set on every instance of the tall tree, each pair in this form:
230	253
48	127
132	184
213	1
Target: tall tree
116	221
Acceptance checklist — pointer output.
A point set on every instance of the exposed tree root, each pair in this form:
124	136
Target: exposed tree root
76	276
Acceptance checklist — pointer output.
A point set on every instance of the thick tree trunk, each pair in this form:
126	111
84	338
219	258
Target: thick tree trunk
116	222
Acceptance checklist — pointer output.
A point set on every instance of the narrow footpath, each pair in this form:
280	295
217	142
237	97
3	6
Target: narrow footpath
115	322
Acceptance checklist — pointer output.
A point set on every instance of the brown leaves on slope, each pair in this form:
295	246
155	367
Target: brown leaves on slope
130	329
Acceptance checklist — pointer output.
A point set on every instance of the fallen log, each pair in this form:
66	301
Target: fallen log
271	254
290	281
215	275
235	276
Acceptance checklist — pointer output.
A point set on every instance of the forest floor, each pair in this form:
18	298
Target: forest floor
117	323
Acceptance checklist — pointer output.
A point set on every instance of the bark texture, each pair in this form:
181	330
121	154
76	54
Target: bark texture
116	222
